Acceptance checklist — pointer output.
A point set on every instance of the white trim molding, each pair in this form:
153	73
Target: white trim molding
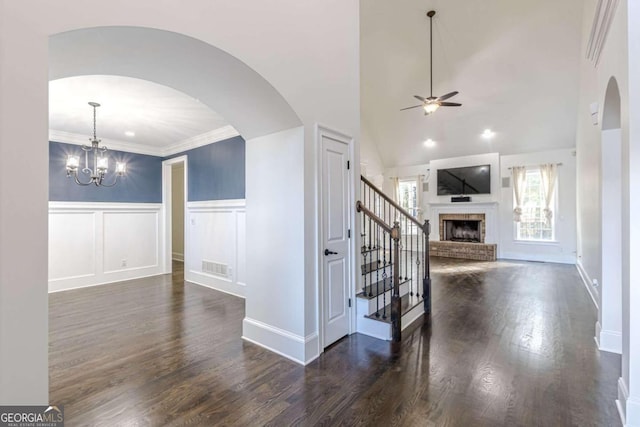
167	202
214	232
111	144
602	19
90	243
610	341
201	140
294	347
321	131
628	406
588	283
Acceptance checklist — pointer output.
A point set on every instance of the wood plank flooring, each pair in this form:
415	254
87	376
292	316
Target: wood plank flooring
509	344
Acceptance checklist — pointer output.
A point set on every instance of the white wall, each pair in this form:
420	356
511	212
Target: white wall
563	249
314	67
370	160
216	233
96	243
609	293
275	312
498	205
620	59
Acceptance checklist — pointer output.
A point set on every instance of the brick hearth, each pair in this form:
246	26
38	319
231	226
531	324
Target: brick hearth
464	250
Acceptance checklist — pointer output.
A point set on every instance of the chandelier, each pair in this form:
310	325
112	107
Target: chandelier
100	168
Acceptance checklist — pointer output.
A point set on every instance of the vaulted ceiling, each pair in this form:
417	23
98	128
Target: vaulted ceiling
515	64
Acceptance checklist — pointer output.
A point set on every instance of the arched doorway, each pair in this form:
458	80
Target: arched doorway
609	326
260	36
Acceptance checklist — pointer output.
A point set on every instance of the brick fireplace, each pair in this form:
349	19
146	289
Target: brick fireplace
462	227
462	235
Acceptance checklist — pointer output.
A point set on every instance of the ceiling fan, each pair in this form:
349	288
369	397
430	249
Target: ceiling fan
432	103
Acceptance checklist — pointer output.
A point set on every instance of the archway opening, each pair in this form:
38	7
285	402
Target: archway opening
609	326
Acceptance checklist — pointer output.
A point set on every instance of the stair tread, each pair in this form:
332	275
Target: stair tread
382	286
373	266
365	250
407	303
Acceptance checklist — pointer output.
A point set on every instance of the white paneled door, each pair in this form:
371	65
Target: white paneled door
335	229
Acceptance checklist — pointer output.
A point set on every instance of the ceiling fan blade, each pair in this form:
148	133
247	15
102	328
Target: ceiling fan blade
448	95
420	98
449	104
408	108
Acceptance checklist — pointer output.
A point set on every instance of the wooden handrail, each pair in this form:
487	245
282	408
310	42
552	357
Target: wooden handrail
361	208
393	203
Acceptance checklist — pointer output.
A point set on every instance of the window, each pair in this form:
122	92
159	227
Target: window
408	196
408	200
533	224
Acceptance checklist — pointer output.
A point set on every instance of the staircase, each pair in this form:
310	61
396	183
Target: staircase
395	287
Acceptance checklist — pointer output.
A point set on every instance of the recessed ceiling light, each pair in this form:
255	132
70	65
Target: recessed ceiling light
130	133
429	143
488	134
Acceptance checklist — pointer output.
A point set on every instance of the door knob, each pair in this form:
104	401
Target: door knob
328	252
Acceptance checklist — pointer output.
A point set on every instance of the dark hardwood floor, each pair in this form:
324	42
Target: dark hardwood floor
509	344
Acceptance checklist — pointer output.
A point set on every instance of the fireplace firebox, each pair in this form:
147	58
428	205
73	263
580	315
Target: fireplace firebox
462	227
456	230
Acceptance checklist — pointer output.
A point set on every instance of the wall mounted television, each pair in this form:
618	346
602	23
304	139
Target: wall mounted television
466	180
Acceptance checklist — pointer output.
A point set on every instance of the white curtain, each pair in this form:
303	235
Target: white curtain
395	183
549	174
518	174
395	195
419	215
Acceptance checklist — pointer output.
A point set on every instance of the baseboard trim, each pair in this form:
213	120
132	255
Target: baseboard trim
311	348
284	343
61	285
621	401
610	341
211	282
523	256
587	283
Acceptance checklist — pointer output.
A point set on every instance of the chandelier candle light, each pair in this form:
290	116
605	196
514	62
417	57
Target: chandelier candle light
100	161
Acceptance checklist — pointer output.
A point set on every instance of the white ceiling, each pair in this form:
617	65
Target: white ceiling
158	115
515	64
214	77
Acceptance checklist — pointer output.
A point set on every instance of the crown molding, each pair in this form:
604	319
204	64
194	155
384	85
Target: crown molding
602	19
216	135
206	138
111	144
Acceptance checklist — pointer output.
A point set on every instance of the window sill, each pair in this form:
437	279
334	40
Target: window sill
537	242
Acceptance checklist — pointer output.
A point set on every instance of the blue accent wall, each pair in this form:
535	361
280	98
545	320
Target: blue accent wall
142	183
216	171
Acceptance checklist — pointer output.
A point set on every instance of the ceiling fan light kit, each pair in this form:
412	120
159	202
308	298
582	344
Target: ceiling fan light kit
432	103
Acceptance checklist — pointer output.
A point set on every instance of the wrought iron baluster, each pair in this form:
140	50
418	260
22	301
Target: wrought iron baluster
405	247
384	294
384	273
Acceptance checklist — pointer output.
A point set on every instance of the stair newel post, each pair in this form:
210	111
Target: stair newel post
396	314
426	281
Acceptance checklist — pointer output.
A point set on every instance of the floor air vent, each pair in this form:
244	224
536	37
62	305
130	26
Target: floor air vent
215	268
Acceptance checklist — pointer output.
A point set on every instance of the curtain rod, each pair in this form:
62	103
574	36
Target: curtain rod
526	166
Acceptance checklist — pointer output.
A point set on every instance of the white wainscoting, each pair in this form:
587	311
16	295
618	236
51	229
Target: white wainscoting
216	234
96	243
